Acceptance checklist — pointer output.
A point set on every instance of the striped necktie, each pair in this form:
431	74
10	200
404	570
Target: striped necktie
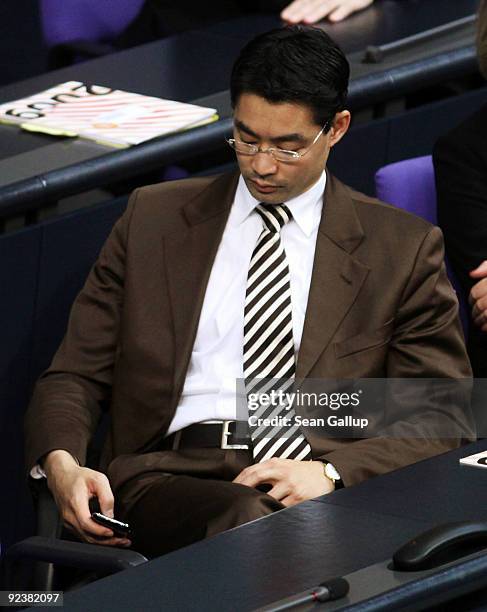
269	362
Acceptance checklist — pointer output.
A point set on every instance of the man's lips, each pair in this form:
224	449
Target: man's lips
264	187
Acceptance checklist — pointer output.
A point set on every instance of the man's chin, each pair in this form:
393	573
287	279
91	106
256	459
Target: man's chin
267	199
276	196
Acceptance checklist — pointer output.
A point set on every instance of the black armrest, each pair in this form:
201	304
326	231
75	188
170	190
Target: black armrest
103	559
47	550
49	524
100	559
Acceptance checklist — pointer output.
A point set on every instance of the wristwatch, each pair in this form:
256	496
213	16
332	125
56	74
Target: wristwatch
332	474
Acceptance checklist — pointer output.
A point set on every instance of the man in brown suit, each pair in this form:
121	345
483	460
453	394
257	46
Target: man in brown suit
158	331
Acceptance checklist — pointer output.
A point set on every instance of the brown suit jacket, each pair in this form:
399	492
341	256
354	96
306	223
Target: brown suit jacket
380	305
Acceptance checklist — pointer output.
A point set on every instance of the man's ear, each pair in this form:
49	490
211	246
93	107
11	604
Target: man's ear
339	128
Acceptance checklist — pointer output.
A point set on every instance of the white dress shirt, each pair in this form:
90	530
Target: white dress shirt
216	362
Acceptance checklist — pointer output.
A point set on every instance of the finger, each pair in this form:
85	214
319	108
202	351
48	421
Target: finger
480	271
240	478
319	11
299	9
257	474
294	11
479	307
475	295
84	522
341	13
280	491
115	541
92	528
288	501
74	526
110	540
249	478
347	7
478	290
105	495
479	316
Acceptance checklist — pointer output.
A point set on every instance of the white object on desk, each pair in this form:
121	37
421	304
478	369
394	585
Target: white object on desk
478	460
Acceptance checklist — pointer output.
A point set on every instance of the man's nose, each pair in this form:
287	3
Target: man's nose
264	163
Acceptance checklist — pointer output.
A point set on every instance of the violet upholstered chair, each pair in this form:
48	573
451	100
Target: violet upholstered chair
80	29
410	185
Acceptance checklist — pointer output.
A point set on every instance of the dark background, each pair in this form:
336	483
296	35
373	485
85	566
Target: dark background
21	48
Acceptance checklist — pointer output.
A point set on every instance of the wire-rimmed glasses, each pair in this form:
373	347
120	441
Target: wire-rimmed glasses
245	148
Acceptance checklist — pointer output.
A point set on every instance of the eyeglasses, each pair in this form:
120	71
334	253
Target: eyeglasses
245	148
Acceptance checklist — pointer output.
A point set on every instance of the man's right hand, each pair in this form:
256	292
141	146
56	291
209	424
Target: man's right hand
73	487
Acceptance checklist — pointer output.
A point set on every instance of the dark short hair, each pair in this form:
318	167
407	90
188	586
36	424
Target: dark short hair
299	64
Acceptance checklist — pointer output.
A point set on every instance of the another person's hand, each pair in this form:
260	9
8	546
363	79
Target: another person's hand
478	296
311	11
72	487
292	481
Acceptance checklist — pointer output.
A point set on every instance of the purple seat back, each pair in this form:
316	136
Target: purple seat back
410	185
90	20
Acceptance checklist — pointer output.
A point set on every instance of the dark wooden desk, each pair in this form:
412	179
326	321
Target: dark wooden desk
299	547
195	66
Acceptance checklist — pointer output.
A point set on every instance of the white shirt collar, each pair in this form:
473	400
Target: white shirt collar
306	207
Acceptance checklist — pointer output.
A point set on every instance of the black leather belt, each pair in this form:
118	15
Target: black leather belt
226	435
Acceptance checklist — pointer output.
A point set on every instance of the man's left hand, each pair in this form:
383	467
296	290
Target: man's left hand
292	481
311	11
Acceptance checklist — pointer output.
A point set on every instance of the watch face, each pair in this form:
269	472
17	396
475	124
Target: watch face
331	472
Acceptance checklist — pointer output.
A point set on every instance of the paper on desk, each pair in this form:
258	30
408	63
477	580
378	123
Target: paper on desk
40	104
113	117
478	460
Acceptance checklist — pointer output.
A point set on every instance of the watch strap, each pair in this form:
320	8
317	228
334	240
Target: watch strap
332	474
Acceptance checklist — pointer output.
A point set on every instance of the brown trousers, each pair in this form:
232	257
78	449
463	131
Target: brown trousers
174	498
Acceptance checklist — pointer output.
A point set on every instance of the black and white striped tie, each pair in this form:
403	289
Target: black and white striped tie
269	363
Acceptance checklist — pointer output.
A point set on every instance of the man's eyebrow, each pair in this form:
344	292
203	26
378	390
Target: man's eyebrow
293	137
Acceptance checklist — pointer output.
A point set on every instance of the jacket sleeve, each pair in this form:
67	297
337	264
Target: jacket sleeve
422	420
68	398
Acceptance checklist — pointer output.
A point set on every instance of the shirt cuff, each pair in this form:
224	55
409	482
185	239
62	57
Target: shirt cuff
37	472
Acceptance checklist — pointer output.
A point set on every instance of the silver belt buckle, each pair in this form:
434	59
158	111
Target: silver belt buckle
225	434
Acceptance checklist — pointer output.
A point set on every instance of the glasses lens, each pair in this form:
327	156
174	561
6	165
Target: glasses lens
242	147
285	156
251	149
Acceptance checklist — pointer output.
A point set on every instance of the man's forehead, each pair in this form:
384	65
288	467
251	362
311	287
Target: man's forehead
284	136
258	117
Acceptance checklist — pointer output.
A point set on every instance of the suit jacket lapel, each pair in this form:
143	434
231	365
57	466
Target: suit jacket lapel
189	256
337	276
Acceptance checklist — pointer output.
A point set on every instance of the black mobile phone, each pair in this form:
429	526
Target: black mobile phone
119	529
